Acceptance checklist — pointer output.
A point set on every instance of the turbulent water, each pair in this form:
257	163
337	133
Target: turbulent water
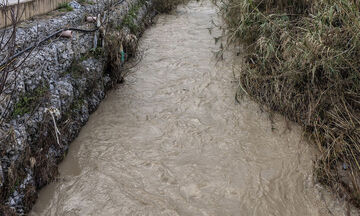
172	140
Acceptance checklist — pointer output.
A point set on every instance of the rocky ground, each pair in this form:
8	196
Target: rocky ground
51	95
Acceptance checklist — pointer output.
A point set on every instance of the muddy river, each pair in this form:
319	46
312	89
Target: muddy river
172	140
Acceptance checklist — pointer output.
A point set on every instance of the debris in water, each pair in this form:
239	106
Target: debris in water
67	34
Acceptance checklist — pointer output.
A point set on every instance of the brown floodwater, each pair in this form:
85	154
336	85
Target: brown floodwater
172	140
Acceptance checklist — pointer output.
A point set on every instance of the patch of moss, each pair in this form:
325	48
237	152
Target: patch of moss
84	57
97	53
13	188
28	101
65	7
130	18
129	22
76	70
77	105
75	108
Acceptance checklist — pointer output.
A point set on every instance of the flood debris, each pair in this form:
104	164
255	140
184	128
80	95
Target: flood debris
91	19
67	34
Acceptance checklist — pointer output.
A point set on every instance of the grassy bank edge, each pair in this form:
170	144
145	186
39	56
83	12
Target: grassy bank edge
302	61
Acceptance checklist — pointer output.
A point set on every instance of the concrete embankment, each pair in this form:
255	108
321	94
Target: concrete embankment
49	97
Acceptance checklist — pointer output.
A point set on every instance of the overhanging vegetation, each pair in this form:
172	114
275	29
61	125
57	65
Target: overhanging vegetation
302	60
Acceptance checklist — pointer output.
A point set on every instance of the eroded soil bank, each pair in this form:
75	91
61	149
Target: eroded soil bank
172	140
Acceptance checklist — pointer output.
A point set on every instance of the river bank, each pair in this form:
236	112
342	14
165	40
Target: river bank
50	96
301	61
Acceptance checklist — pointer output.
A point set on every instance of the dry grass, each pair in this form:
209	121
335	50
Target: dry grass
303	61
